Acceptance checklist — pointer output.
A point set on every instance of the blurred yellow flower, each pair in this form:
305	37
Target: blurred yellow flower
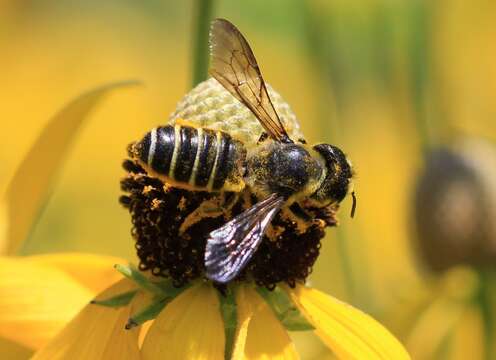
442	317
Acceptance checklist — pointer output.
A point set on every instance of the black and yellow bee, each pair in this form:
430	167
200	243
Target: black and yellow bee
264	155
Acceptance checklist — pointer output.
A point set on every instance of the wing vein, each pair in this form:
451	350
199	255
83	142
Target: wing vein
232	60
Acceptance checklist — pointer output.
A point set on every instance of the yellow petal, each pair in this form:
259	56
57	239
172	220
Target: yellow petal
96	272
32	182
190	327
244	312
36	301
97	332
350	333
14	351
433	327
260	334
3	225
468	337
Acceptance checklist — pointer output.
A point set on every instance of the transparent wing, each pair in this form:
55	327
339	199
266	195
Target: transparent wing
230	247
233	64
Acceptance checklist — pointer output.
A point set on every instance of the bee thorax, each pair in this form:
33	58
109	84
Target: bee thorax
284	169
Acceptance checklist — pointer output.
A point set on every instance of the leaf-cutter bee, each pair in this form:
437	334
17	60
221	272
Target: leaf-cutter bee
268	157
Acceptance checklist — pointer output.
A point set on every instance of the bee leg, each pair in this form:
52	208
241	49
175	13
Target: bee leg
229	200
298	211
208	209
297	215
224	203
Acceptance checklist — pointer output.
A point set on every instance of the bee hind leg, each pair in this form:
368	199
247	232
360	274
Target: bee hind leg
217	206
208	209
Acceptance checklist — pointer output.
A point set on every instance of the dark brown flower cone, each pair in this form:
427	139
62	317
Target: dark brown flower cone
158	210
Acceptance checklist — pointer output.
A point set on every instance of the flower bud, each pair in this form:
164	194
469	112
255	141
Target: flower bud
455	206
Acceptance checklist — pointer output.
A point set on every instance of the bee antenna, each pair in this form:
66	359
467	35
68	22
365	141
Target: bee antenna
353	206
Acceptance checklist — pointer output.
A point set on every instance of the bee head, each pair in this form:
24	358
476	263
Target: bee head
335	185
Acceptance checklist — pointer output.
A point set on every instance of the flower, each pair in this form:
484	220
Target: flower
173	312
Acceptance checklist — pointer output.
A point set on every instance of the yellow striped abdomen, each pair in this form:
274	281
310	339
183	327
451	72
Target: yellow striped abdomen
193	158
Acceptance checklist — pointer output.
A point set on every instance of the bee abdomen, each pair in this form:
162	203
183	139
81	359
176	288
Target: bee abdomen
197	157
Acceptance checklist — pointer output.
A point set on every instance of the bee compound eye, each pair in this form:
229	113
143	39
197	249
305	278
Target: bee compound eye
335	185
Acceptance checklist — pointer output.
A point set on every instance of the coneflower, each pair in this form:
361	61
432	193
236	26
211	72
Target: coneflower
167	308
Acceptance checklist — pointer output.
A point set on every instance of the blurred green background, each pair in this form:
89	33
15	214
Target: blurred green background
384	80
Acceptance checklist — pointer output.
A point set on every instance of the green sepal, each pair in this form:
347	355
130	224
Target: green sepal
170	290
284	309
228	310
116	301
150	312
132	273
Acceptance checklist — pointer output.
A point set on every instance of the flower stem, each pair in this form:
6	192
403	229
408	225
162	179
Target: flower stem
315	41
346	263
201	24
420	70
485	300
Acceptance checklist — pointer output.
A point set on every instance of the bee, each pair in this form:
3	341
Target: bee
267	157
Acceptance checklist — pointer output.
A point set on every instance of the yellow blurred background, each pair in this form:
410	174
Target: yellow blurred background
359	73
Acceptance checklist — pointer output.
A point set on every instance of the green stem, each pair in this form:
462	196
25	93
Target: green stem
429	118
346	263
485	304
328	120
201	25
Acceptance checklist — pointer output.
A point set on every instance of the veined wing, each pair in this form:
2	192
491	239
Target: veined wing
230	247
233	64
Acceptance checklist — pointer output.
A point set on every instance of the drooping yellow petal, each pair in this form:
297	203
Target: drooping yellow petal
190	327
260	335
433	327
36	301
96	272
32	182
3	225
467	340
350	333
97	333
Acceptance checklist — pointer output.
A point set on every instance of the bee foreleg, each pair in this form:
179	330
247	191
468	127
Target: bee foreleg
297	215
299	212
